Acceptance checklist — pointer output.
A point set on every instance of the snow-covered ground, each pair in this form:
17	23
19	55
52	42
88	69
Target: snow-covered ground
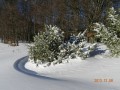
96	73
76	75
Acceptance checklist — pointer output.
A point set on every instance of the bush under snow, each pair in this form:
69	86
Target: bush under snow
49	47
45	46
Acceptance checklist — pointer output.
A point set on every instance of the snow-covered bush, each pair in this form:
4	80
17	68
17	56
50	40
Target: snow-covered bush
110	33
46	45
77	48
113	22
109	38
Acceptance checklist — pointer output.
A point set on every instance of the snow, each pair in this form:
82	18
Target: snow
85	72
76	75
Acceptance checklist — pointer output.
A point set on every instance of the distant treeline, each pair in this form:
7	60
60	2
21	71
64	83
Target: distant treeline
20	20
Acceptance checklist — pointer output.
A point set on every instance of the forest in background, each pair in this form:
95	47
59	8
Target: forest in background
20	20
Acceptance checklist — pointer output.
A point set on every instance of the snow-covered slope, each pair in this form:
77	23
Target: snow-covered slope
76	75
99	72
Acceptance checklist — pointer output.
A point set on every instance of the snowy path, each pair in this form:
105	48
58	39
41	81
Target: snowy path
80	77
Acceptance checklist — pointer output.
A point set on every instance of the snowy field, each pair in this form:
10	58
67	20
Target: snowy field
95	73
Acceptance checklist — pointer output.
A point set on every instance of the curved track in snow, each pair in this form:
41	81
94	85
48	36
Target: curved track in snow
11	79
19	66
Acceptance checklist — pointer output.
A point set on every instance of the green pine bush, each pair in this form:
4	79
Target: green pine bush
46	45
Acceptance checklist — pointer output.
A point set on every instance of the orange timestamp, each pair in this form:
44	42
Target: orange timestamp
100	80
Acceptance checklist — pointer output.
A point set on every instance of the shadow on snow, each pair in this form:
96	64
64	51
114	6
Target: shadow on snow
19	66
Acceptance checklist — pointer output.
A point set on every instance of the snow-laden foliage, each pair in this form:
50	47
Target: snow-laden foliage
109	38
110	33
46	45
76	48
113	22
